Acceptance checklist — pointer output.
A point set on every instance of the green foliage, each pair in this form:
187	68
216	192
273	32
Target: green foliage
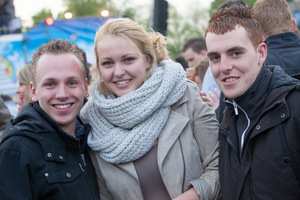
81	8
180	29
41	16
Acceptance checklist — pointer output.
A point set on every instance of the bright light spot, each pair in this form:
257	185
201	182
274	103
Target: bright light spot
104	13
49	21
68	15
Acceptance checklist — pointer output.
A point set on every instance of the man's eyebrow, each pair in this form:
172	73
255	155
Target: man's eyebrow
48	79
235	48
211	53
228	50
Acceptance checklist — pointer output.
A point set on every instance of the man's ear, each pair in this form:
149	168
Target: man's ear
33	93
262	51
294	28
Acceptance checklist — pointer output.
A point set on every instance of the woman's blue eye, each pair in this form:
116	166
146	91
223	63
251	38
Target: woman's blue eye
130	59
107	63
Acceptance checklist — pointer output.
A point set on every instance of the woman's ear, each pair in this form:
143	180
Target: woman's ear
148	60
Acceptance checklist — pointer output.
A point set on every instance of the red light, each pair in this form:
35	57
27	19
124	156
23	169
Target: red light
49	21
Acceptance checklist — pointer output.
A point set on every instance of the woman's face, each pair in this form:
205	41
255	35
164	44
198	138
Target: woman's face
121	63
23	94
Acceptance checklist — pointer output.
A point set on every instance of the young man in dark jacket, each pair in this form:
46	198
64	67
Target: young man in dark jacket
259	134
43	154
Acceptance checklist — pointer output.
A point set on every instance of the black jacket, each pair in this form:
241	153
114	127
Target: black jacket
284	50
38	160
267	117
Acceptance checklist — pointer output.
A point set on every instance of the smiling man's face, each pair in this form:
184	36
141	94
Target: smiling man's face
60	88
235	62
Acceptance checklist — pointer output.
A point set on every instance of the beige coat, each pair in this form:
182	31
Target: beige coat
187	155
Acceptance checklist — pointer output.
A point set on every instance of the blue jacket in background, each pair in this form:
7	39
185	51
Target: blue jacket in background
284	50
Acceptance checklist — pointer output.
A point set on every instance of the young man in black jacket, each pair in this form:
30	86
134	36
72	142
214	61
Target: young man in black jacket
43	154
259	134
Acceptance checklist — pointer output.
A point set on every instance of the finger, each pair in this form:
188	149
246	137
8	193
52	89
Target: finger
218	92
212	96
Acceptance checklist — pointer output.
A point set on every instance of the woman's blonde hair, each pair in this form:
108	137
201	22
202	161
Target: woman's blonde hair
24	76
151	44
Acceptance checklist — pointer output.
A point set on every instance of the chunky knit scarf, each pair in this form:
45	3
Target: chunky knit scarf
125	128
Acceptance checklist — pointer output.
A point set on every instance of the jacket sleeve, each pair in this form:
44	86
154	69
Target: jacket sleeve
103	191
5	116
206	130
16	177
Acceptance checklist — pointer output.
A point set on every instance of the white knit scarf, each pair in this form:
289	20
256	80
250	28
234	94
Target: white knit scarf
125	128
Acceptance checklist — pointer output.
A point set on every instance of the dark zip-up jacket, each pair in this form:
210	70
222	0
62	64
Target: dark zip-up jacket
256	131
38	160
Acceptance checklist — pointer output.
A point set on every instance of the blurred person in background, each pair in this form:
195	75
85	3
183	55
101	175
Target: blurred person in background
24	76
279	27
180	59
200	70
10	103
194	50
5	116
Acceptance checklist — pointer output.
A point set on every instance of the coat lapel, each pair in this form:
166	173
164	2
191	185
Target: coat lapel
170	133
129	168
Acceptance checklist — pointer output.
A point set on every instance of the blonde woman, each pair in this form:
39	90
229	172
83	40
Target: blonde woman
23	91
152	136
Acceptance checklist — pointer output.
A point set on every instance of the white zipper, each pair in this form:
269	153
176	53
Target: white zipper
83	160
236	106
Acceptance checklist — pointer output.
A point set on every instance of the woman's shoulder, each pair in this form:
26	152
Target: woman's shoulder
191	95
192	86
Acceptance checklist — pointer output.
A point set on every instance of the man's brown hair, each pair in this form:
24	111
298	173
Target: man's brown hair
58	46
226	19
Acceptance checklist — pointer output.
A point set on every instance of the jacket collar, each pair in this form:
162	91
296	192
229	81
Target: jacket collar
34	123
253	99
279	78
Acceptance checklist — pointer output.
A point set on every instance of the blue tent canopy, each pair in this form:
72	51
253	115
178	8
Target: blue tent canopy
80	31
17	49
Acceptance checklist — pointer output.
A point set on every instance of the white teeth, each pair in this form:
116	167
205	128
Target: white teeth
62	106
230	79
122	82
